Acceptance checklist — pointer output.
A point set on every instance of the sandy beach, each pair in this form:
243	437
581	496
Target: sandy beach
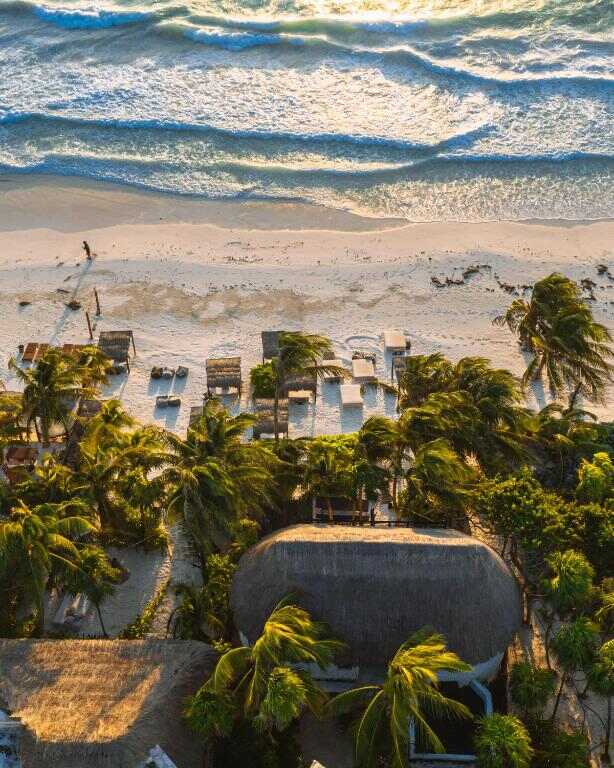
196	279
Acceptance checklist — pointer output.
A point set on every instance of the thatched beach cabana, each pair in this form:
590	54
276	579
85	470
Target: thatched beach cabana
270	344
224	374
116	346
375	587
101	703
263	409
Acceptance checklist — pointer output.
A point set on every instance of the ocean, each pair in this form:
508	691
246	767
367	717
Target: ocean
465	110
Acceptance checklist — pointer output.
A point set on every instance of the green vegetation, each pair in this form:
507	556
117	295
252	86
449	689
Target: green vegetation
410	691
141	626
464	452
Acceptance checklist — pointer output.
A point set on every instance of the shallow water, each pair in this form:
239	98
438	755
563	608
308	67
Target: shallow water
472	110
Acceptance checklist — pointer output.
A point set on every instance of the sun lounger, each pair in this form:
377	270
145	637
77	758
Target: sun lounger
170	401
350	395
20	456
394	341
363	370
296	383
33	351
181	372
299	396
167	373
333	378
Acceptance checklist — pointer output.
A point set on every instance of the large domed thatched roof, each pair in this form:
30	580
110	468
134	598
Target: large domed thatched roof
375	587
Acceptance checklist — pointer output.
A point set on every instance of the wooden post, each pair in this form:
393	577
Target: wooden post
89	325
133	344
97	303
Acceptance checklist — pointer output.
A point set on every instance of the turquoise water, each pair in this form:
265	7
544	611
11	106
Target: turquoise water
466	110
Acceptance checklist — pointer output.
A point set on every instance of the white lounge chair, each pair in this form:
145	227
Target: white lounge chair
333	378
350	394
299	396
394	341
363	370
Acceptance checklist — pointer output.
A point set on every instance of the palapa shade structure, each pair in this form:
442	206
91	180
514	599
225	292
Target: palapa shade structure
270	344
223	372
100	703
263	409
374	587
116	345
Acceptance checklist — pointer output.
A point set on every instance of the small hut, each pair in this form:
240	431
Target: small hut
264	411
102	703
270	344
374	587
223	375
116	346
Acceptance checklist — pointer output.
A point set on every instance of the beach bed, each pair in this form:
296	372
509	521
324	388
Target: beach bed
116	346
333	378
297	383
265	426
299	396
363	370
223	375
394	341
350	395
33	350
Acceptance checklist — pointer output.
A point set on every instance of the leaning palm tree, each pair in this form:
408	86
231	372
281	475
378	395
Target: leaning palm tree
214	477
36	542
422	376
260	678
300	354
408	694
568	346
50	390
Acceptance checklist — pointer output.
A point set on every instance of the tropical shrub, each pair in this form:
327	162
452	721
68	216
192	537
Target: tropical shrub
502	741
262	379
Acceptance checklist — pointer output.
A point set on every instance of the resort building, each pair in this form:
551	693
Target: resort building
99	703
374	587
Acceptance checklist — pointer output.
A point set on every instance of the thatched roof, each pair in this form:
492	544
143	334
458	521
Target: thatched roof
116	345
297	382
264	412
375	587
101	703
223	372
270	344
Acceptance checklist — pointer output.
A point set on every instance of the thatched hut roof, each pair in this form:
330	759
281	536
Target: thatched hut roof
375	587
116	345
270	344
264	412
223	372
297	381
101	703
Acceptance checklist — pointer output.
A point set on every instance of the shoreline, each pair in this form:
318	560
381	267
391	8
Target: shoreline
18	189
196	280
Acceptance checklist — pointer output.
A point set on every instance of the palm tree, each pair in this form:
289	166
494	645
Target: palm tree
94	577
531	687
34	542
436	484
409	693
329	467
50	389
558	328
300	354
575	647
93	367
422	376
601	680
502	741
568	589
214	477
259	678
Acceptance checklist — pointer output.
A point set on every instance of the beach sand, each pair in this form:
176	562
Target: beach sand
196	279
